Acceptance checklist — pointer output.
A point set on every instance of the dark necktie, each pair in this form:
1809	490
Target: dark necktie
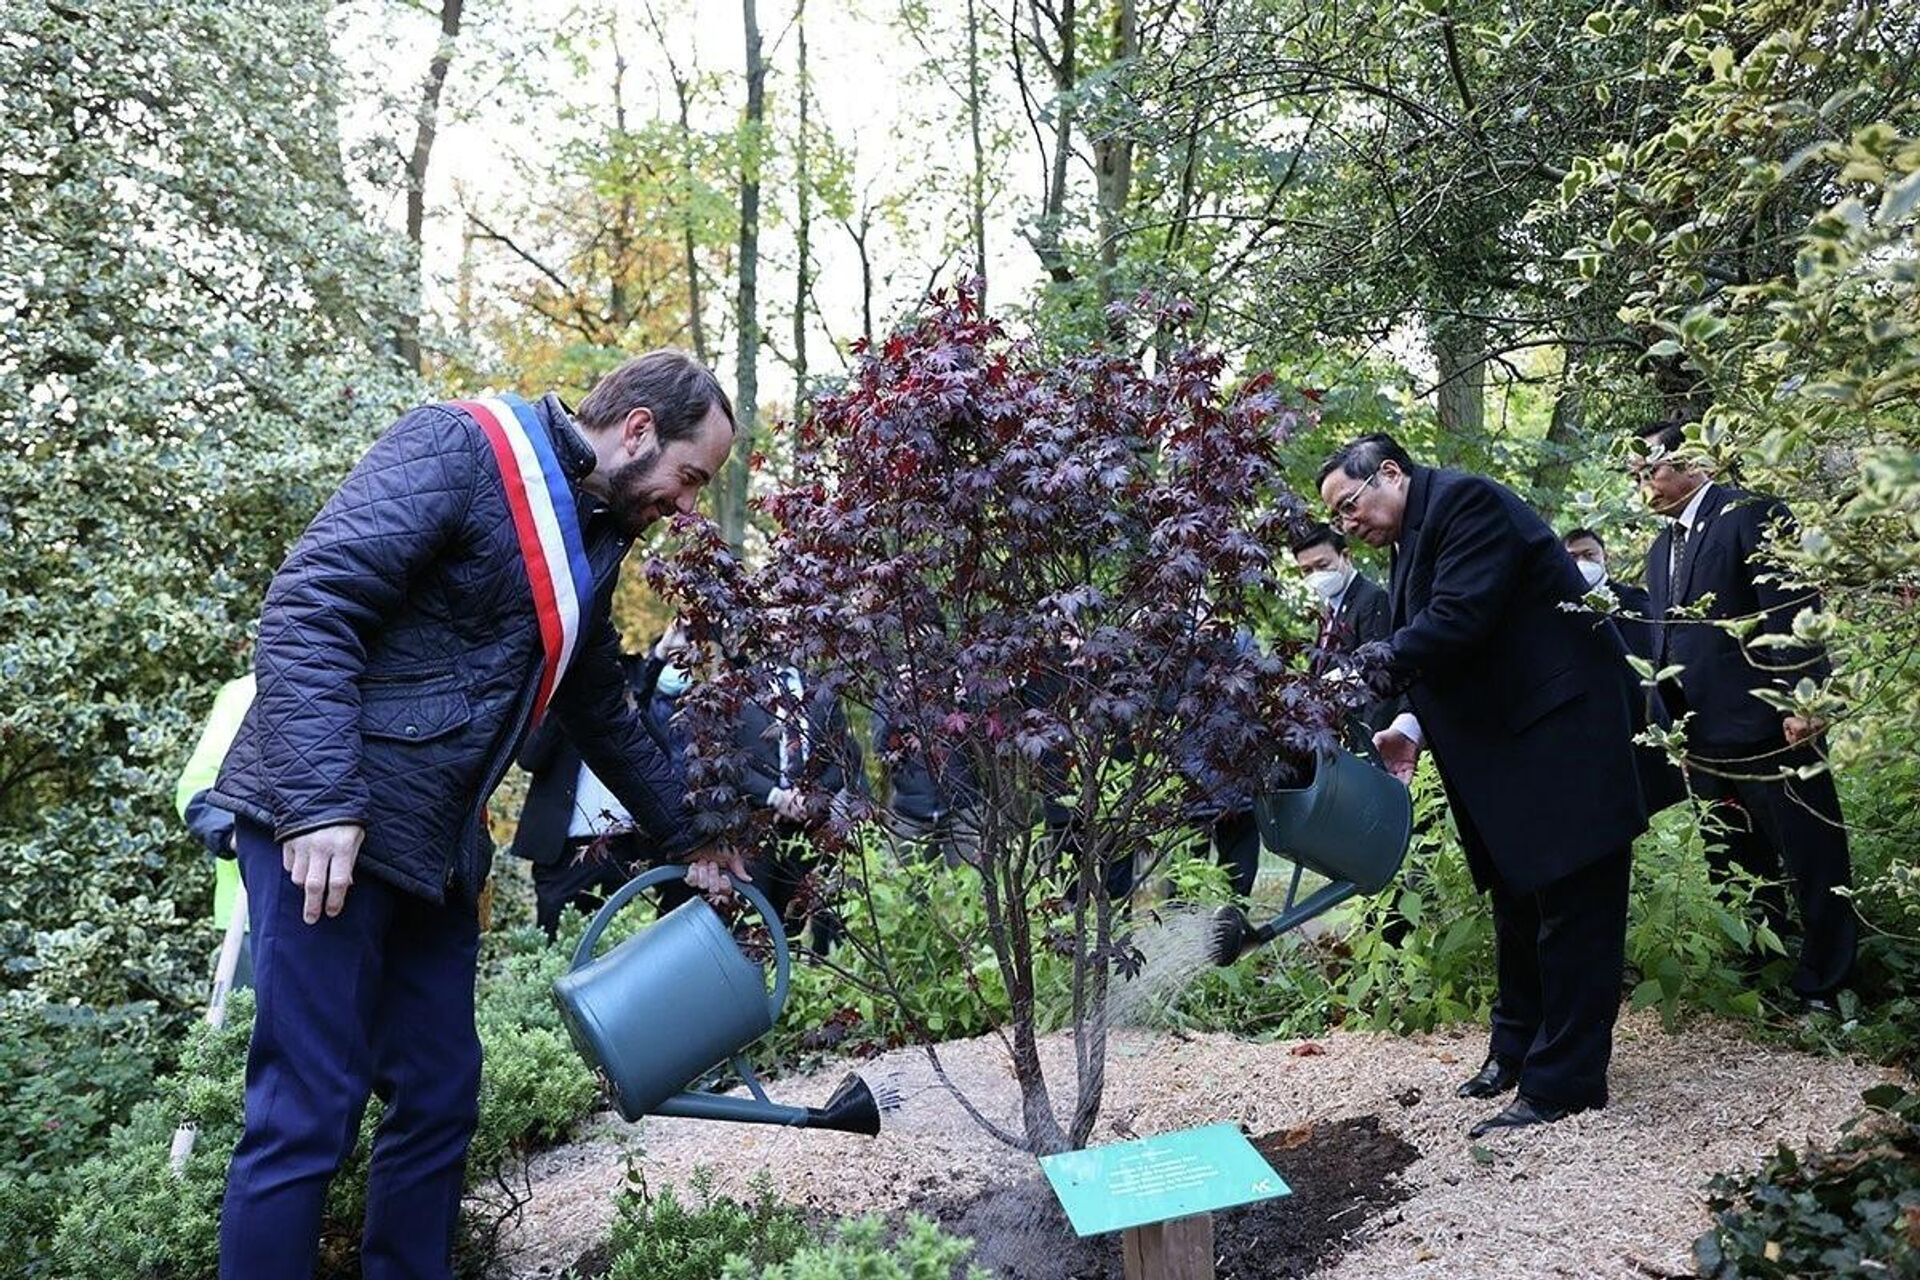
1677	552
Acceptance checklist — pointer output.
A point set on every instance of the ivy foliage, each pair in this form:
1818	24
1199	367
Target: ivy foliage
1853	1211
191	350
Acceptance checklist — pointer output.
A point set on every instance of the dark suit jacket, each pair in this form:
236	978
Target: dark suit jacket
1365	615
833	757
550	756
1720	671
1526	706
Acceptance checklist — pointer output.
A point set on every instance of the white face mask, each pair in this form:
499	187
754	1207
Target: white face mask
1593	571
1328	583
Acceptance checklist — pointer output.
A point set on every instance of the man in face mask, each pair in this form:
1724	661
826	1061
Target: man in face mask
1590	558
1354	610
581	840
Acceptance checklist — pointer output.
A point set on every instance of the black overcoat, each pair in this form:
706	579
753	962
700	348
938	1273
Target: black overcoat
1525	704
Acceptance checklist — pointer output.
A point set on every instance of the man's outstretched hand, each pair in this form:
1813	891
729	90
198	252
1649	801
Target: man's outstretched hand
713	868
321	863
1398	752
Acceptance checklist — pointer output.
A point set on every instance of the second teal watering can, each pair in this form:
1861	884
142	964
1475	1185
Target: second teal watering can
670	1003
1352	824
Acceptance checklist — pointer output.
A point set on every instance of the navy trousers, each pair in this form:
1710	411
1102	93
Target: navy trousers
378	999
1559	952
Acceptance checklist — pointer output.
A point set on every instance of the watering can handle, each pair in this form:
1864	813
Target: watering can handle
782	961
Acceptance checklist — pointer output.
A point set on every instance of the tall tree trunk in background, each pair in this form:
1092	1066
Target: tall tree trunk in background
1459	349
463	295
859	230
1113	157
1063	69
802	233
695	317
746	401
619	306
977	180
1561	448
406	338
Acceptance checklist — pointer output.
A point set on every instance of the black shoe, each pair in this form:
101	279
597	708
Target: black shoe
1818	1007
1520	1113
1494	1078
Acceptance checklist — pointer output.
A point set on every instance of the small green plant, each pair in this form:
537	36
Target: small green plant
1692	939
865	1248
914	966
1420	955
1853	1211
656	1237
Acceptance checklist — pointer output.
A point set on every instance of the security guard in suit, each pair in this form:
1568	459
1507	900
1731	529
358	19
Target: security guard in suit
1745	755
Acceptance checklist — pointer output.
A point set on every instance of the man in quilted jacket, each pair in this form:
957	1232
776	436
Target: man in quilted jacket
453	592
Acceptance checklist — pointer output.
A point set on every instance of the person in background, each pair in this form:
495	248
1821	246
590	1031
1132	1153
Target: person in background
1745	755
1354	610
930	806
581	840
798	766
210	824
1590	557
1527	708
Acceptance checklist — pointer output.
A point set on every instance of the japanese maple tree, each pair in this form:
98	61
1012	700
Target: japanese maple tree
1046	570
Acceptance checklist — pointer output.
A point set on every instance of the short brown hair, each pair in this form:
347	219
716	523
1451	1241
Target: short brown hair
679	389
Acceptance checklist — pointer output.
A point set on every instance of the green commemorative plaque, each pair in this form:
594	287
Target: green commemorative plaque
1175	1175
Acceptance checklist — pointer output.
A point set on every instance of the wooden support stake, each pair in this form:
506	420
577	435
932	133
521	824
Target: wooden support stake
1178	1250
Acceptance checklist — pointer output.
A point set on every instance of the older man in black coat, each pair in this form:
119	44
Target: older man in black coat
1527	707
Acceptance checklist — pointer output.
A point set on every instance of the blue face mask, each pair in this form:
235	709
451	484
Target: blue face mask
673	681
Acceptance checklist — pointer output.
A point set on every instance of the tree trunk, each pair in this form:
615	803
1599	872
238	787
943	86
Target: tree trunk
1063	68
803	232
619	307
733	507
689	249
977	180
1460	354
1113	159
1560	450
406	340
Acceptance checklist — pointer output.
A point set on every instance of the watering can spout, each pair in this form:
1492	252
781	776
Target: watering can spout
1230	936
679	998
853	1108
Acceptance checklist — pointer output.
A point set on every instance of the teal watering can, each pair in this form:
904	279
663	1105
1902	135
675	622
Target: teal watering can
679	998
1351	823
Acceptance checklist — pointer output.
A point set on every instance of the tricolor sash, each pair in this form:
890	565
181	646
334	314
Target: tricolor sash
548	528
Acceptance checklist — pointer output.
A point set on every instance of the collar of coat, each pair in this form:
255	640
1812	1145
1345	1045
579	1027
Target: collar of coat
1419	484
576	456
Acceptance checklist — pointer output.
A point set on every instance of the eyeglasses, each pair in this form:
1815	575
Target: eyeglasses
1343	510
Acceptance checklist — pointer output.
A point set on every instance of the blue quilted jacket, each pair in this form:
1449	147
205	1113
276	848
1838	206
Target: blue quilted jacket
399	654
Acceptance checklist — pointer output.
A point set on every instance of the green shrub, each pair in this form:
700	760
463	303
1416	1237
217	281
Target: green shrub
867	1249
1853	1211
1441	969
1421	955
68	1074
656	1237
924	922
